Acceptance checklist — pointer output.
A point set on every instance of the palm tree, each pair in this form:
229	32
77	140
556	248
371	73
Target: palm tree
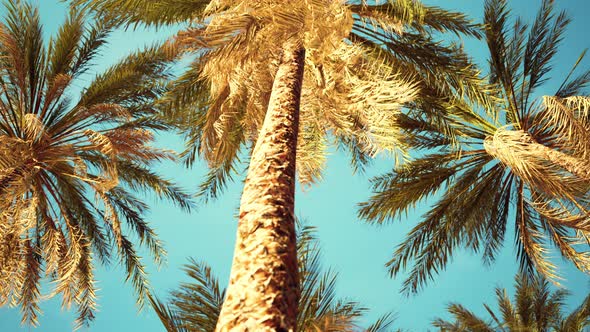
527	162
282	77
535	309
68	166
196	305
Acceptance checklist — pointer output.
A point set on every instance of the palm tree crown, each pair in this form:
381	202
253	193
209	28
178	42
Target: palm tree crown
363	61
67	166
290	75
535	309
527	161
344	91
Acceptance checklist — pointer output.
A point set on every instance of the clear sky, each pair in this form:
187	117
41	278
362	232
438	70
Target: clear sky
356	250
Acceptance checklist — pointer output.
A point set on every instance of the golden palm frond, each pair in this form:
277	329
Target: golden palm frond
352	88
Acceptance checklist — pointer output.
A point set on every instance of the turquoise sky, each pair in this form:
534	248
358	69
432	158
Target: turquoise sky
356	250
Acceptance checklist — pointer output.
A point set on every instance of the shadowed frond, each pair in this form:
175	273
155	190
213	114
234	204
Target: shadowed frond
168	318
383	324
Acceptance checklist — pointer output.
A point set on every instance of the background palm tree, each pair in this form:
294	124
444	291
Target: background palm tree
248	84
68	165
526	161
196	305
535	309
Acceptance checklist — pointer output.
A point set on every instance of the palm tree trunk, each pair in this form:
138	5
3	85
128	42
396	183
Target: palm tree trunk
263	291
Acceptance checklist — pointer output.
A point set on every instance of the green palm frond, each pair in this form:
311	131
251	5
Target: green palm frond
319	309
468	321
198	303
574	86
383	323
578	319
418	16
168	318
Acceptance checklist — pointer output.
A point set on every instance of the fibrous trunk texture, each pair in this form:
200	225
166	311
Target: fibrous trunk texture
263	290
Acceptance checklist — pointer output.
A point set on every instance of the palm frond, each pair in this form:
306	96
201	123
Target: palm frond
168	318
352	97
535	308
383	323
150	13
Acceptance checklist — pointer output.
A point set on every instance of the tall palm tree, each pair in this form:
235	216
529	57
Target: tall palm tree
535	309
527	162
284	77
196	305
68	165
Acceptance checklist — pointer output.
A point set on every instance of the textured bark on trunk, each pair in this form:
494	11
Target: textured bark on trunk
263	290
